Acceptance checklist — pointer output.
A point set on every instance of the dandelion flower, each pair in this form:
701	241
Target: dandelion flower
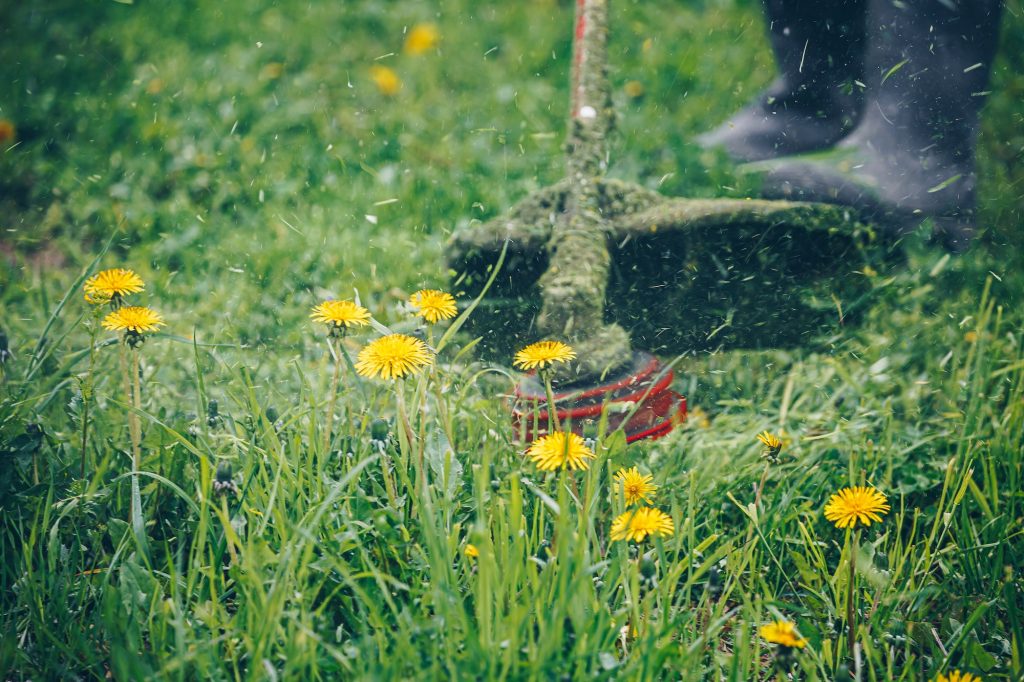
386	80
770	441
422	38
542	354
862	504
773	445
957	676
558	450
637	524
783	633
134	319
433	305
471	551
636	486
109	285
341	314
393	357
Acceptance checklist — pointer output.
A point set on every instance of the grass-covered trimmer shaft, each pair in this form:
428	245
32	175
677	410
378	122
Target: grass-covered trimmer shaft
592	257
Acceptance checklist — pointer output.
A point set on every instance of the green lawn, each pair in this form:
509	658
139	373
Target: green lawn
241	158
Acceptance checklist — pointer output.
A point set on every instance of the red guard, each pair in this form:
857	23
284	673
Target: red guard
644	381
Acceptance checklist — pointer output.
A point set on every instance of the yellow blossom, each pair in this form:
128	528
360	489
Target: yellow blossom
783	633
135	319
636	486
471	551
862	504
422	38
393	357
637	524
386	80
108	285
957	676
558	450
433	305
341	314
542	354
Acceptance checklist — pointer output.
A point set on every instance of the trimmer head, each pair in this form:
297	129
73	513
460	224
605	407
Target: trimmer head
609	266
638	399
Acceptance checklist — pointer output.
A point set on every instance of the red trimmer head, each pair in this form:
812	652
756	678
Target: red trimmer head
637	399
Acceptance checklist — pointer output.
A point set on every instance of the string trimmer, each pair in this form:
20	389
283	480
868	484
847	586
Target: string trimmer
591	257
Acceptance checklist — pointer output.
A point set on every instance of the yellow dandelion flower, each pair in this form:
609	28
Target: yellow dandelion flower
341	314
108	285
542	354
134	318
558	450
471	551
770	440
783	633
393	357
634	89
433	305
386	80
637	524
862	504
773	445
636	486
422	38
957	676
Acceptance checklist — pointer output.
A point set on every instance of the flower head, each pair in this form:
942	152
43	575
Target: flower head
862	504
393	357
471	551
542	354
558	450
112	285
386	80
636	486
957	676
772	442
340	314
783	633
433	305
422	38
134	319
637	524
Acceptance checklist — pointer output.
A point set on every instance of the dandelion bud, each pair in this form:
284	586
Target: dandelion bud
224	482
714	582
212	413
5	348
379	429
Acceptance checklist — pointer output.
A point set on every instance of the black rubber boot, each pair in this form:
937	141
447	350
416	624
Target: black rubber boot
814	101
912	155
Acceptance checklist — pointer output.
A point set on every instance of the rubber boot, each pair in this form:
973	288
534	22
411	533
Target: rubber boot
912	155
815	101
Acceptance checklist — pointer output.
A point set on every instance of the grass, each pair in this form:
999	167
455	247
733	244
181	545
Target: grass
238	156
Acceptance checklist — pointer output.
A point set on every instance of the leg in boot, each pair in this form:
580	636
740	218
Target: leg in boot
912	156
814	101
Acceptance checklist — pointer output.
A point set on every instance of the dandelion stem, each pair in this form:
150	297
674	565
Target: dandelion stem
332	396
87	388
226	516
552	410
851	611
135	427
760	485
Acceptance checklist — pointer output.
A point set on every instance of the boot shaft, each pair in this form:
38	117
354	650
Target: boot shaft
927	65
